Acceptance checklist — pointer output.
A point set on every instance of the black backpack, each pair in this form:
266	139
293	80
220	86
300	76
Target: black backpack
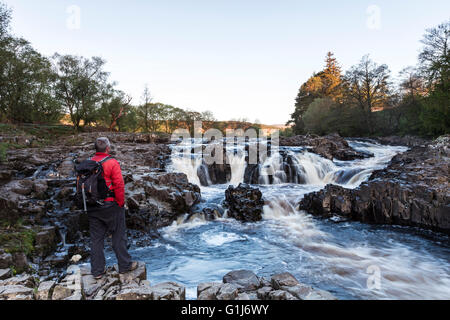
91	186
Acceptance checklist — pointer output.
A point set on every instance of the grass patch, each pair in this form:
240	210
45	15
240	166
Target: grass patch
17	239
5	146
3	150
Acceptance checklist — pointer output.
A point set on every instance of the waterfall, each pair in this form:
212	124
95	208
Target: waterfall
188	166
238	165
288	165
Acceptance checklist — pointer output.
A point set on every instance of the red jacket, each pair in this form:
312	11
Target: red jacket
113	177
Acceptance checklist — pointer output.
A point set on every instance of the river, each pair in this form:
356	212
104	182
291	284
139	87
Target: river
350	259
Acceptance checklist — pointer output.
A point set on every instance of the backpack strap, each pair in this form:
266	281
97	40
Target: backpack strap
110	192
105	159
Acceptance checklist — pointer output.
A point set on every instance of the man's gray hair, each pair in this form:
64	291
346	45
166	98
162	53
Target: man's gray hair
101	144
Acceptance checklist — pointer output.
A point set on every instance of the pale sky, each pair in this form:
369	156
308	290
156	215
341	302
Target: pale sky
236	58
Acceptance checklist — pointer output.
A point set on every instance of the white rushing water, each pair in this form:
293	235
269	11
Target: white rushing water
350	259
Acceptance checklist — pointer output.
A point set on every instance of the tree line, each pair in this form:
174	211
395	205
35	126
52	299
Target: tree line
366	100
39	89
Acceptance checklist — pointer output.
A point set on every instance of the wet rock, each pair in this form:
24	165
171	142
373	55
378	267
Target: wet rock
20	261
246	280
208	290
243	296
139	273
66	168
139	293
40	188
320	295
166	196
58	260
65	193
227	291
244	203
46	240
283	279
156	155
5	273
263	293
241	285
410	141
299	291
172	190
44	291
330	147
25	280
61	292
280	295
6	175
168	291
16	292
23	187
411	191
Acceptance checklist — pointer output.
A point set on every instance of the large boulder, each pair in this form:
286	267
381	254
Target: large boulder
44	291
246	280
244	203
46	240
411	191
6	260
283	280
158	199
208	290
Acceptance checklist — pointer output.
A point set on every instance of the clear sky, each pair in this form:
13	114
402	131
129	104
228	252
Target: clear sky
236	58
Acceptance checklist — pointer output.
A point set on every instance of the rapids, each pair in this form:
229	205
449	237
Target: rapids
349	259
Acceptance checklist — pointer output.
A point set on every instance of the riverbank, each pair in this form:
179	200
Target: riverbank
41	231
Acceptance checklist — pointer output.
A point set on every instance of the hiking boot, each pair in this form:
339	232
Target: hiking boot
100	275
134	266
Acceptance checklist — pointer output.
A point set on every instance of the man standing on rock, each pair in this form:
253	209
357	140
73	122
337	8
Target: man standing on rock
109	218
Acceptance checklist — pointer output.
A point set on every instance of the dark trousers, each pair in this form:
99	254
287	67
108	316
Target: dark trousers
109	219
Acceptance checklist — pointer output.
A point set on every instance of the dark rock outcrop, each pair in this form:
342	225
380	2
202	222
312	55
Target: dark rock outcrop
244	203
157	199
331	146
412	191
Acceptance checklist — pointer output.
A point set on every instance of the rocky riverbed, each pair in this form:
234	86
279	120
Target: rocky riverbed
42	234
413	190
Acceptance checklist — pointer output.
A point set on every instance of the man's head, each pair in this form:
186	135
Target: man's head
102	145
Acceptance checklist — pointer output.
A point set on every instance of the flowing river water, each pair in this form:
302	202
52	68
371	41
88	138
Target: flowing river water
350	259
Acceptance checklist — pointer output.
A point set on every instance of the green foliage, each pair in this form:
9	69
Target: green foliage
326	83
81	86
366	103
3	149
18	240
288	132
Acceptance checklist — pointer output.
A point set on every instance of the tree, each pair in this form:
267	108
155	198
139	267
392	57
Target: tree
435	56
189	119
115	106
326	83
80	86
435	65
26	84
412	84
367	86
143	111
128	122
